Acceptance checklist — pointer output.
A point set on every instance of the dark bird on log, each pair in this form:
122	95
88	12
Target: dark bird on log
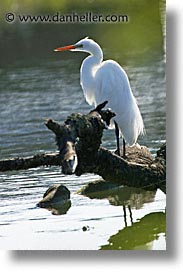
107	80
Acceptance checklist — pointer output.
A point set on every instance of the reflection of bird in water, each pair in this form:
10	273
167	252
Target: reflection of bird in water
127	197
56	199
134	197
125	216
106	80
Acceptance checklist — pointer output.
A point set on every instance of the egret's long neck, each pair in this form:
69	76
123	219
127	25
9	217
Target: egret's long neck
87	74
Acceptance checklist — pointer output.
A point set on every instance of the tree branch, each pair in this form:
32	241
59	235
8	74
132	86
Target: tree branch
79	140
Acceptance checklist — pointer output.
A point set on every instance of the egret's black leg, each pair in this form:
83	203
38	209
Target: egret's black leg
117	137
124	149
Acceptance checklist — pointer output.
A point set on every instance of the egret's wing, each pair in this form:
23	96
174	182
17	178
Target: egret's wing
112	84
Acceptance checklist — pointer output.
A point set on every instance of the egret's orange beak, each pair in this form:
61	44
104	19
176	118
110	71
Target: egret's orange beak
66	48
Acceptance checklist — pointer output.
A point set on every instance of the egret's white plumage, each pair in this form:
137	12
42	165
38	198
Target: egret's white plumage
106	80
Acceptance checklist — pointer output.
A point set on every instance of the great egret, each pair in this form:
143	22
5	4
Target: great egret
106	80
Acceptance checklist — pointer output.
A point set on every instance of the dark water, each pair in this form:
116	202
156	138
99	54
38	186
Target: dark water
29	95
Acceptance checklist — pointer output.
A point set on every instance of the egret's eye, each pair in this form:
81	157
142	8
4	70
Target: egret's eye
79	46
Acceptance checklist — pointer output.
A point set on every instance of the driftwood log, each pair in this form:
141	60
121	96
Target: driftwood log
80	151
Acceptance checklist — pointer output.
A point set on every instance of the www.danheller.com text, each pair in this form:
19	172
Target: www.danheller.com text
73	17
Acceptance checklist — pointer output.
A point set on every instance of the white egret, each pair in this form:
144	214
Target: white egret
106	80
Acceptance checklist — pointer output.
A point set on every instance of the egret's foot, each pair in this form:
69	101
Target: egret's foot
124	157
117	152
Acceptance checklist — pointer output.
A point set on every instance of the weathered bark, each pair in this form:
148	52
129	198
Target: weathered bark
85	132
30	162
131	172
